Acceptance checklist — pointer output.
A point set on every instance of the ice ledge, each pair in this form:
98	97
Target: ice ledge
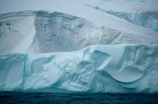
124	68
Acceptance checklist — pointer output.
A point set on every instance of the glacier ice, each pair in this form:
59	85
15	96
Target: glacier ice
59	32
123	68
88	54
148	19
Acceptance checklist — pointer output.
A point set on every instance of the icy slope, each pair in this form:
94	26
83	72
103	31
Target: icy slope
146	19
143	13
100	68
16	32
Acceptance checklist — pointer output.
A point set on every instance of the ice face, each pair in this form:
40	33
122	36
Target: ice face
120	68
60	32
43	32
148	19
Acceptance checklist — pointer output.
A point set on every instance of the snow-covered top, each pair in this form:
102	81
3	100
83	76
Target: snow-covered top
136	21
77	5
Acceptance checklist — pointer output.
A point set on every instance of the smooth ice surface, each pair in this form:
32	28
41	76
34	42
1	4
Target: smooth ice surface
16	32
120	68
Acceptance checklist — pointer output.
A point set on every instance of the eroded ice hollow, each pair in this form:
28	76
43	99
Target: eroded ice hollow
74	55
120	68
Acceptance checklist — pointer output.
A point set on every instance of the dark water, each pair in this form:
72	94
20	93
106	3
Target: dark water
47	98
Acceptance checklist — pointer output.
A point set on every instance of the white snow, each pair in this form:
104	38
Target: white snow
23	46
17	32
78	8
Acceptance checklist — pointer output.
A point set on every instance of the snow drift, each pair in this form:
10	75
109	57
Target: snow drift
120	68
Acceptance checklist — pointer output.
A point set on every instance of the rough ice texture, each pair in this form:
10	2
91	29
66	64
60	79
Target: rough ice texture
43	32
120	68
148	19
59	32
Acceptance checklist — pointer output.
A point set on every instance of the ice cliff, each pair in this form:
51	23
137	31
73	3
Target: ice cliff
59	32
43	32
147	19
120	68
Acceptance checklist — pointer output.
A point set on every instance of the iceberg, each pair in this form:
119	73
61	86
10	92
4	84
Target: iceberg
123	68
99	46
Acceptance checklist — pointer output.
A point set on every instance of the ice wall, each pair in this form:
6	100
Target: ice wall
148	19
43	32
120	68
60	32
141	17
